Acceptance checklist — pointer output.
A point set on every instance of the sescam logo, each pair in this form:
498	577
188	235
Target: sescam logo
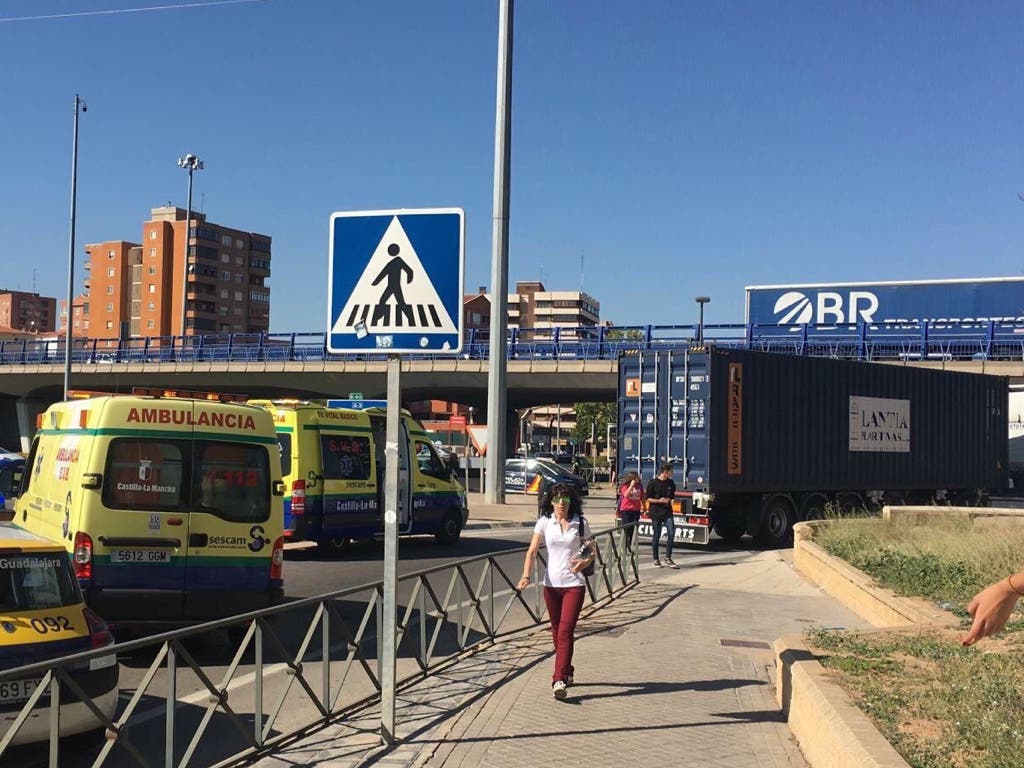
795	308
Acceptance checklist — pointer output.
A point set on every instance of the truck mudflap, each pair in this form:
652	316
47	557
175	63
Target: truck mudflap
690	528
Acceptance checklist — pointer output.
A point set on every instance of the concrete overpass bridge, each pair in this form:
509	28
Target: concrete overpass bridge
544	368
26	391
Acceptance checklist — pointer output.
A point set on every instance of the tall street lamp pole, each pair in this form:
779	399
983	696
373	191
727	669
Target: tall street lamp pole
702	300
79	104
190	163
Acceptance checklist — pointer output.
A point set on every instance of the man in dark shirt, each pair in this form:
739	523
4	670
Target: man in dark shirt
660	492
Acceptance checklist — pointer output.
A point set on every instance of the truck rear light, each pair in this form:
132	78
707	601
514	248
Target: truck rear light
82	558
299	497
697	520
277	558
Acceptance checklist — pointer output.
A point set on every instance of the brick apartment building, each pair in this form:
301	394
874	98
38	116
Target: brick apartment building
135	289
22	311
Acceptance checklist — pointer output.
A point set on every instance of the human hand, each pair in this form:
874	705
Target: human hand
523	583
990	609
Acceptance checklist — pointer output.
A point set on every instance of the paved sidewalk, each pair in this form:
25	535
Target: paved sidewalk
676	671
520	510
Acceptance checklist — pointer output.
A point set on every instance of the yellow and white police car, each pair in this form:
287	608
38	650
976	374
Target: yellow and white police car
43	617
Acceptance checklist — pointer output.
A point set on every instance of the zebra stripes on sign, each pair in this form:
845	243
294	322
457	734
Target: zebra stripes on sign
406	316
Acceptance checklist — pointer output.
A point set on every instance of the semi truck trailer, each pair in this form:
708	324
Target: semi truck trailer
759	441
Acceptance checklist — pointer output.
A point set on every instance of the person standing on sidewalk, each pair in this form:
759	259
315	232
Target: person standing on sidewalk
660	492
564	531
631	503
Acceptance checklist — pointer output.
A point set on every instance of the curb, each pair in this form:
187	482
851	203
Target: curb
856	590
499	524
830	730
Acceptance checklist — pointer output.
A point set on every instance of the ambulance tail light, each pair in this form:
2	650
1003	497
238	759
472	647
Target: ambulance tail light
299	497
82	558
277	558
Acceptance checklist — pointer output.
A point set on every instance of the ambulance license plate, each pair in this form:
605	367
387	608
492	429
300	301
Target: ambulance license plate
140	556
13	691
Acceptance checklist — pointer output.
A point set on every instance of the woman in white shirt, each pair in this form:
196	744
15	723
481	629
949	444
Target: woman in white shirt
563	530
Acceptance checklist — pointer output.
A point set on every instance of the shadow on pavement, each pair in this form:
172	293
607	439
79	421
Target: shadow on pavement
644	689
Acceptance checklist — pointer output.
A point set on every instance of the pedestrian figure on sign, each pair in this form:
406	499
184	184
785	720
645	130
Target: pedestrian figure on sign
393	272
565	532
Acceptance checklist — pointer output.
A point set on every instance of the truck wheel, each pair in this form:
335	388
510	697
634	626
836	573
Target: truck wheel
777	518
850	503
451	529
731	528
814	507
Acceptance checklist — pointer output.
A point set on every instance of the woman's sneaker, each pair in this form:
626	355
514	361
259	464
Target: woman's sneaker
669	563
558	690
657	563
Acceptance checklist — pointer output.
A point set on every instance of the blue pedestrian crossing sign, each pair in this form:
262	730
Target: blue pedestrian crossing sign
395	281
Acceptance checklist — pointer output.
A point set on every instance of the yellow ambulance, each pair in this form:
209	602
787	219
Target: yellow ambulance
171	508
332	460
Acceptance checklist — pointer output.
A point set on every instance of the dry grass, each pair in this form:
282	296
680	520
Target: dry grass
940	705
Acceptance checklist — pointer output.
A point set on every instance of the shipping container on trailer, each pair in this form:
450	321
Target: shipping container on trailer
762	440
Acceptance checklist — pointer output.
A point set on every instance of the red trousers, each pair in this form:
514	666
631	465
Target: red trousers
564	604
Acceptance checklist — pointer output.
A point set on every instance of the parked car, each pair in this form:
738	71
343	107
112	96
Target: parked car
43	617
11	470
525	475
571	460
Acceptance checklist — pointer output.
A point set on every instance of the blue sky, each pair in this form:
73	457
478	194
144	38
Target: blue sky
682	148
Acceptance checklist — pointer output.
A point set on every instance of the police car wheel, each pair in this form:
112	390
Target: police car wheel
451	528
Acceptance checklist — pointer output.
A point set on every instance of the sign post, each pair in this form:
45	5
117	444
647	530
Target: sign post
395	284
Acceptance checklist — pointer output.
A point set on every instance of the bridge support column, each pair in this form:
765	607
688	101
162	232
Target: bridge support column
27	411
511	434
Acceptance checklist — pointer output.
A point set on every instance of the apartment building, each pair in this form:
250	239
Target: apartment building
137	289
534	307
22	311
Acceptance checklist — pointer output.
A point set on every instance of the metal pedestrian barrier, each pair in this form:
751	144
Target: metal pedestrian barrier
290	669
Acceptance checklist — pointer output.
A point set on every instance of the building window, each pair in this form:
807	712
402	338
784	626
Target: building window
239	244
225	276
238	311
110	254
110	307
225	240
111	271
225	258
152	234
110	324
152	270
151	306
110	289
238	295
152	288
239	278
239	261
223	293
152	253
149	323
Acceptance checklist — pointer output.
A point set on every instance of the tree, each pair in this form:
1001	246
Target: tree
592	419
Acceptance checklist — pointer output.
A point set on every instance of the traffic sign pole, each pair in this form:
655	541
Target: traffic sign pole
391	500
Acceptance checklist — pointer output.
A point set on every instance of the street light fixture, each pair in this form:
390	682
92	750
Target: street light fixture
190	163
68	335
701	300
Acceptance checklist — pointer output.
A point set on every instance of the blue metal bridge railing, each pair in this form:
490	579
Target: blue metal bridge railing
856	341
